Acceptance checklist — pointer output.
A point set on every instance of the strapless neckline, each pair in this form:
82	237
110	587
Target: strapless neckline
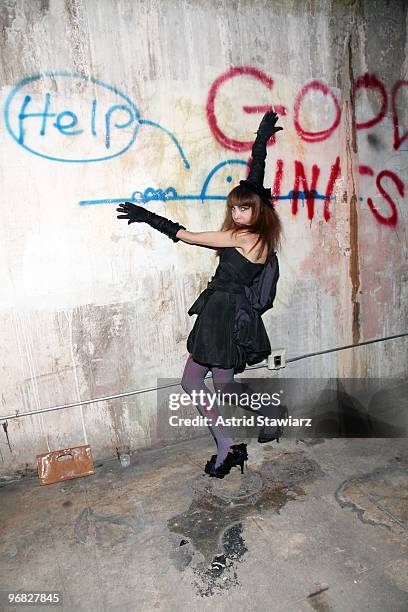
246	258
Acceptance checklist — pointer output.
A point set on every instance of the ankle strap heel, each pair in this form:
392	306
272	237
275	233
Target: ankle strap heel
237	455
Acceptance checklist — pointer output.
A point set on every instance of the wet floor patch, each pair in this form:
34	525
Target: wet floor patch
222	574
378	498
208	537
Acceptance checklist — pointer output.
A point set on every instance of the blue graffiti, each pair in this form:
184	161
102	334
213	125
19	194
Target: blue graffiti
67	123
170	194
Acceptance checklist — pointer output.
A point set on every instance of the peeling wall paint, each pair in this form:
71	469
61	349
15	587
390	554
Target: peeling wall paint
107	100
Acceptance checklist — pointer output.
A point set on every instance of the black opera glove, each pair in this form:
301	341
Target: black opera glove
255	178
138	214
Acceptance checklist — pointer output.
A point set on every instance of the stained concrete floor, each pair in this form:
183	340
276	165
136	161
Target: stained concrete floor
318	525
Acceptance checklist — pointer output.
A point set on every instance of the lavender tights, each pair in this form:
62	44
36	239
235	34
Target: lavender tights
193	379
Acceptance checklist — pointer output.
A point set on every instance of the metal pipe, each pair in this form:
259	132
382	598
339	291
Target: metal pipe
19	414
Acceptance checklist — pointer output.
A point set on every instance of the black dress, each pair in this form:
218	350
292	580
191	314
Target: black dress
229	331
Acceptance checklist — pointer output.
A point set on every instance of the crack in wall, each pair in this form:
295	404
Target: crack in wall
352	151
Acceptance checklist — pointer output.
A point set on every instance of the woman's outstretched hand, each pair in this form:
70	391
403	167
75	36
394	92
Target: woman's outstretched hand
268	126
134	214
138	214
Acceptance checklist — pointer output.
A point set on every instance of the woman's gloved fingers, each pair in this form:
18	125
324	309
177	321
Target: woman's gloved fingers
134	213
270	115
267	127
123	207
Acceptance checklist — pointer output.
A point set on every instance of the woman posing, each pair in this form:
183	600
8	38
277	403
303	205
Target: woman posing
229	333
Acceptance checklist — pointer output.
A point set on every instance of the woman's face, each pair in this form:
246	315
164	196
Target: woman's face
241	215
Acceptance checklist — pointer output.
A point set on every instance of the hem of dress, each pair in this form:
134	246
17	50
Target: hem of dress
260	357
212	365
238	368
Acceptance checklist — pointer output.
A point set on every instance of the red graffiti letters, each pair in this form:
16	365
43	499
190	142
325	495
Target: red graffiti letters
323	134
393	218
370	81
305	182
221	137
398	140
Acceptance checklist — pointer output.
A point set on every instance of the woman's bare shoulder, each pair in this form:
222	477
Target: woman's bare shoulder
247	247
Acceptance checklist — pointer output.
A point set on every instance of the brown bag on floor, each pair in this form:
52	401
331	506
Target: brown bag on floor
60	465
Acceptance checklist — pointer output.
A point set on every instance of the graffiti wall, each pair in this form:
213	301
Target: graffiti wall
157	103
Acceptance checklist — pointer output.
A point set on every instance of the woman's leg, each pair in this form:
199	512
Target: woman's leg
193	380
224	382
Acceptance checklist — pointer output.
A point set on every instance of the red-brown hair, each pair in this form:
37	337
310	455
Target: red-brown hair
265	220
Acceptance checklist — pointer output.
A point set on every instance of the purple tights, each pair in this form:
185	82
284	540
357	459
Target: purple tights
193	379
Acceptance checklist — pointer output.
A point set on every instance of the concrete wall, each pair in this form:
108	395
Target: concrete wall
104	99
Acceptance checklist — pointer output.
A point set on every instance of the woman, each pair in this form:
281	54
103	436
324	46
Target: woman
229	333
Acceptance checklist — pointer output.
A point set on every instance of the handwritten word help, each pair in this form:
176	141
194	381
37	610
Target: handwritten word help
69	117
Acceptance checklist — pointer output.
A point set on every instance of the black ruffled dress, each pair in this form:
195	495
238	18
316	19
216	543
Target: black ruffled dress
229	331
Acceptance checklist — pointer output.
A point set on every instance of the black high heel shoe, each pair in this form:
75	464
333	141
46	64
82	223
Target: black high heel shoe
237	455
274	432
264	437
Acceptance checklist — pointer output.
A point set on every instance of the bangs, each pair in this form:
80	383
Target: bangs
240	202
241	196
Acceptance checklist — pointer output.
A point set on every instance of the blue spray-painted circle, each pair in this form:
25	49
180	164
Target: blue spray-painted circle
73	75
